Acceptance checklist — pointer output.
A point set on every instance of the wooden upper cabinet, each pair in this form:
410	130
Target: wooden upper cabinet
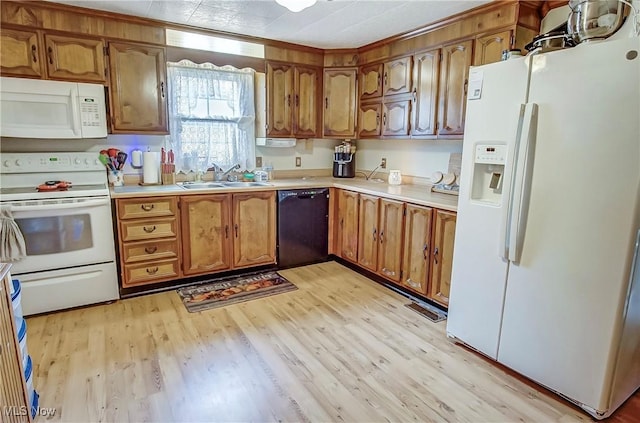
20	53
390	236
279	102
371	81
254	229
395	118
397	76
454	73
368	232
339	108
79	59
442	256
206	233
369	120
306	110
426	71
138	88
348	225
417	248
489	48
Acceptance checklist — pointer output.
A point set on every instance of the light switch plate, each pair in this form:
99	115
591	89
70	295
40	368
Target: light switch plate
258	161
298	161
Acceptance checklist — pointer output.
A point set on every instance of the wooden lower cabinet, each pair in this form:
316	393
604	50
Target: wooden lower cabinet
348	225
368	232
254	229
390	239
417	241
444	230
206	237
408	244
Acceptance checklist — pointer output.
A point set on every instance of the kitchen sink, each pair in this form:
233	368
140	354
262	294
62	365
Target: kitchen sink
202	185
246	184
213	185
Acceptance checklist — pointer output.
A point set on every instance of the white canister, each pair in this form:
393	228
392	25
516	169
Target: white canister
395	177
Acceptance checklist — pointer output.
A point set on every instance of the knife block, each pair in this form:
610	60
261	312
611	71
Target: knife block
168	179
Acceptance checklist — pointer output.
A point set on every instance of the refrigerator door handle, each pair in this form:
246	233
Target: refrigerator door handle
507	186
522	183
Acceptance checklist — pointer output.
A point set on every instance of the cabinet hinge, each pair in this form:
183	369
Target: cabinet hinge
404	212
440	56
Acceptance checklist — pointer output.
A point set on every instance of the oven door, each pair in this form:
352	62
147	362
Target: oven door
64	233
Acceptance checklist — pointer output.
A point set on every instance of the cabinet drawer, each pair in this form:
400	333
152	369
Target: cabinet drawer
150	250
148	229
150	272
141	208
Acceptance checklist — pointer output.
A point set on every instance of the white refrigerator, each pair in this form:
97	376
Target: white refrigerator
545	267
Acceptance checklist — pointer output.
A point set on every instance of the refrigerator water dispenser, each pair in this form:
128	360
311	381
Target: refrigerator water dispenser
488	170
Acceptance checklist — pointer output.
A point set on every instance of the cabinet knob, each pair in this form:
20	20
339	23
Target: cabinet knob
34	53
150	250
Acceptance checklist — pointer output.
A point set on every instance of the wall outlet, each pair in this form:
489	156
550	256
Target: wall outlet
383	163
258	161
298	161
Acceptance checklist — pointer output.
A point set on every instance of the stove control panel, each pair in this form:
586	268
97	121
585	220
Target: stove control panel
49	162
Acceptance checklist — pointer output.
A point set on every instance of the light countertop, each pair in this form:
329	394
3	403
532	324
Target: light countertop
416	194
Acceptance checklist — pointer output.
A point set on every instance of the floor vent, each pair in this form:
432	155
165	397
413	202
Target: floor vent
429	314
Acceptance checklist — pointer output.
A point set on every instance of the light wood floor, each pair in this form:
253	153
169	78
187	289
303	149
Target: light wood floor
341	349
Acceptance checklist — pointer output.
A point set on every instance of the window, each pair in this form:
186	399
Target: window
211	116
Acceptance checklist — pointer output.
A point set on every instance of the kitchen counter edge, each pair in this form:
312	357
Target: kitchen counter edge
415	194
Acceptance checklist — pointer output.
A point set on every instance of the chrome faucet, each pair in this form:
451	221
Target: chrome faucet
219	174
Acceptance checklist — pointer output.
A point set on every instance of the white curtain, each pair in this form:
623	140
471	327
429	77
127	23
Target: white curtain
211	116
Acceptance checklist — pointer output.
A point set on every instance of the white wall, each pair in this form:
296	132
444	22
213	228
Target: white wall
314	154
412	157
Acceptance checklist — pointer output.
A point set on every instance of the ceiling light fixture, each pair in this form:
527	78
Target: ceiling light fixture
296	5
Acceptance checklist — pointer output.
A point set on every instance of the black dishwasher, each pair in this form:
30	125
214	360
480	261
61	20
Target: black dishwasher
303	226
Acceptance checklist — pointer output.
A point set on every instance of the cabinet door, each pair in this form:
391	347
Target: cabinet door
77	59
369	118
206	233
307	81
371	81
488	49
254	229
417	244
397	76
425	92
395	117
348	215
20	53
340	102
138	88
390	246
368	232
279	99
444	230
456	59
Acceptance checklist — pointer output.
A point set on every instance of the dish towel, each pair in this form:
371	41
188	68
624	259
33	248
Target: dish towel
12	245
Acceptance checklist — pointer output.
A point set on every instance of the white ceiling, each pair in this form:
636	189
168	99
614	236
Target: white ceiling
328	24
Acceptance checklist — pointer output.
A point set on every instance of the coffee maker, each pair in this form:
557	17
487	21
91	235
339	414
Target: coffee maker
344	161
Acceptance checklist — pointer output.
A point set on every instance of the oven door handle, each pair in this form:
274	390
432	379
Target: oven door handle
60	206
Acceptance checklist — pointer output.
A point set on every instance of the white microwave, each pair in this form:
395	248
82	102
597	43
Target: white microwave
34	108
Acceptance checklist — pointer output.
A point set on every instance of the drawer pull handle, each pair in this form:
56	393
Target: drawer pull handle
147	207
34	55
150	250
381	237
152	270
149	230
435	255
236	228
425	251
226	231
374	234
50	51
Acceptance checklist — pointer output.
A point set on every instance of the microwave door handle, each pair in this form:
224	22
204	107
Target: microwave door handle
60	206
76	114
